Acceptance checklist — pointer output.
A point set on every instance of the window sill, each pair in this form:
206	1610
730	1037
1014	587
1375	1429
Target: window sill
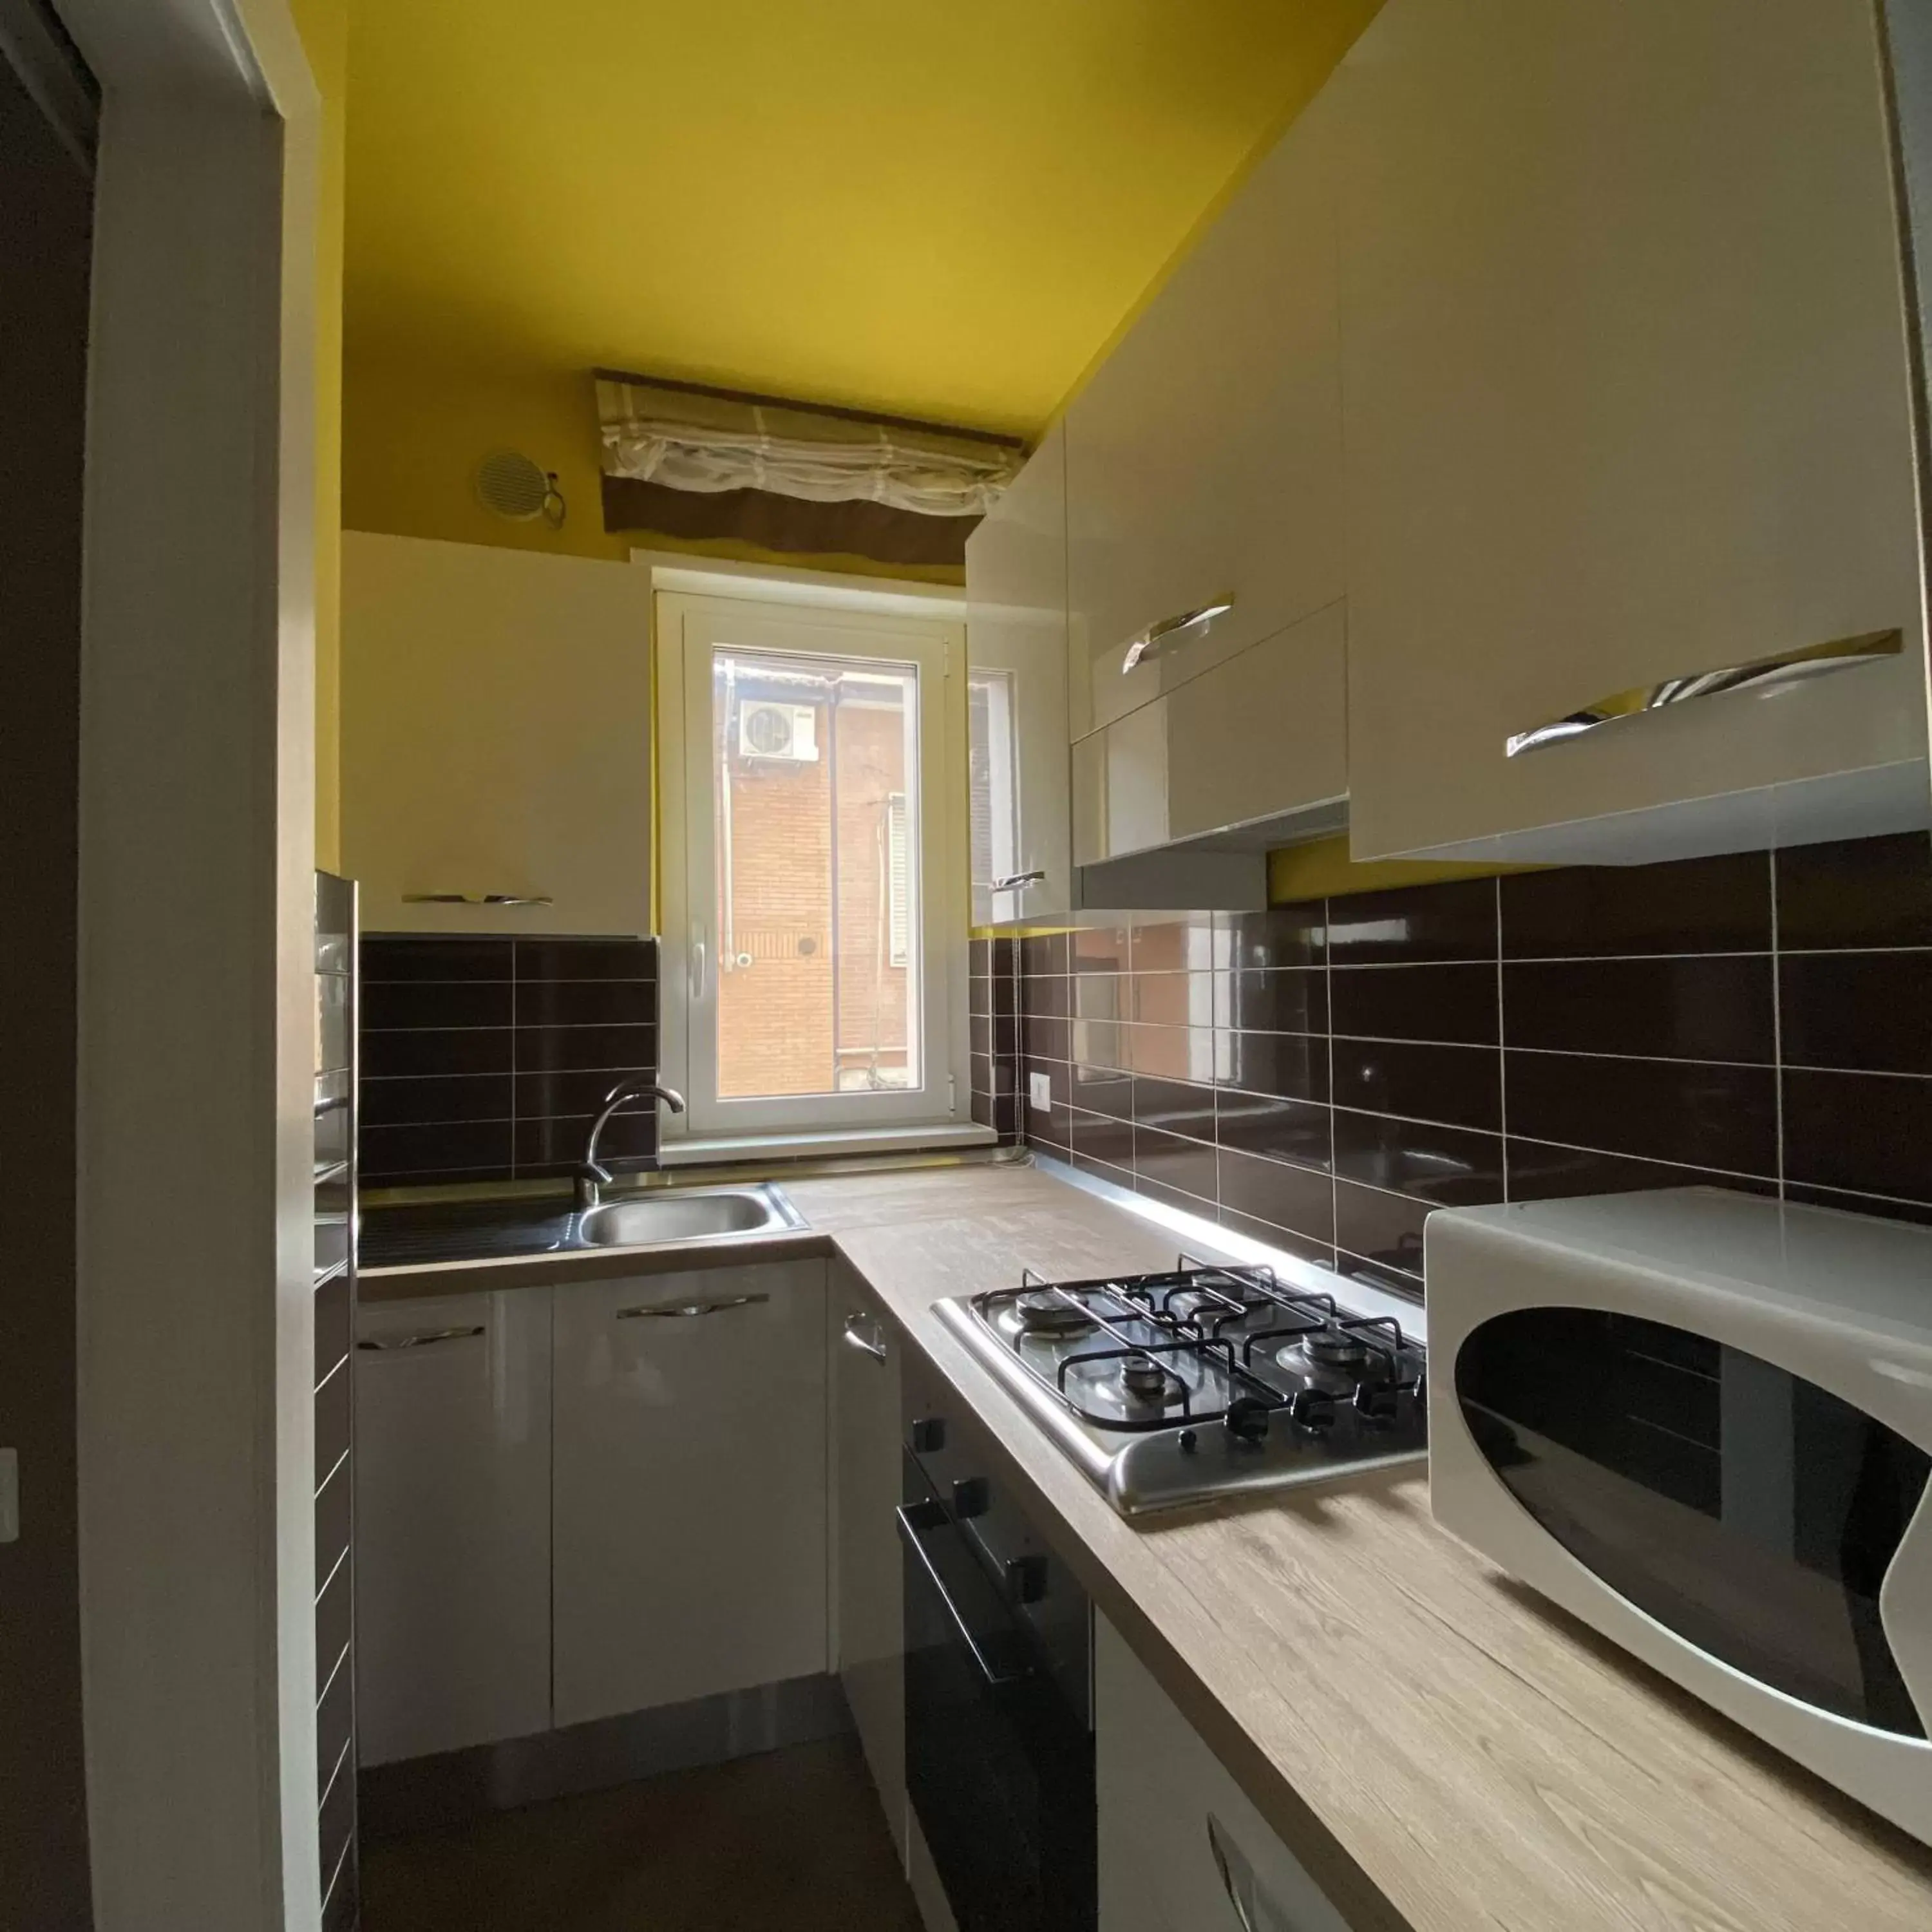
870	1140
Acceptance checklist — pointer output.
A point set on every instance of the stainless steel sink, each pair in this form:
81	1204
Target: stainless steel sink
682	1215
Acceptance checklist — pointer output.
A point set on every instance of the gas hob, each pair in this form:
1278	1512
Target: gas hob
1178	1387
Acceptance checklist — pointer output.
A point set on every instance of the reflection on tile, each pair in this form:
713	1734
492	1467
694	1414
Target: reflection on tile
1455	1004
1294	1066
1415	924
1870	1010
1174	1162
1863	891
1256	1124
1461	1086
1293	935
1538	1172
1001	1114
1171	999
1047	994
1713	1008
1448	1167
1099	1043
1866	1132
538	1095
1306	1247
1171	942
1877	1205
1383	1228
1049	1038
1286	999
1170	1052
1284	1196
1043	954
1097	1138
1690	905
1100	996
1099	950
1101	1089
1676	1110
1174	1106
627	1138
1354	1269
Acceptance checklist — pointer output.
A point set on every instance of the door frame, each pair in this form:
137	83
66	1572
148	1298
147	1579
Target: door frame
195	1334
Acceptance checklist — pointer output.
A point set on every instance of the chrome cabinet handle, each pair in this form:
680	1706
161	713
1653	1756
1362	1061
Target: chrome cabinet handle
421	1338
1014	880
855	1338
1762	674
478	898
1237	1879
1156	638
909	1529
663	1311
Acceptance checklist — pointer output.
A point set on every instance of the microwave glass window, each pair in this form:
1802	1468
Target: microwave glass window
1746	1509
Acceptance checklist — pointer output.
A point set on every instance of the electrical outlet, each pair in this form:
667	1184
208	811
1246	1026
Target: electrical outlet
1040	1092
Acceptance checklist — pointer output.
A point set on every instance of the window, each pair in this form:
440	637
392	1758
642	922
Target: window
810	875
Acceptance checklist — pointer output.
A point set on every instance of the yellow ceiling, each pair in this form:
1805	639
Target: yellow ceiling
932	209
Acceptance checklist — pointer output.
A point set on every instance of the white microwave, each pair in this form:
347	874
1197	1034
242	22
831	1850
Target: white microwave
1702	1422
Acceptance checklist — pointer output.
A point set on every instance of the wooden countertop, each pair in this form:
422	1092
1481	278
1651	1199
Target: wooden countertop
1440	1748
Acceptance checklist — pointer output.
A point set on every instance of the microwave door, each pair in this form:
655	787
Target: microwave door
1905	1607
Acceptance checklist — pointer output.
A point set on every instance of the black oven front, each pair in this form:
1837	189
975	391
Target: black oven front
998	1691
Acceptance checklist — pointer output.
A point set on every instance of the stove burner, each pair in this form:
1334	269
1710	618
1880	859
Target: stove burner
1144	1379
1046	1312
1335	1347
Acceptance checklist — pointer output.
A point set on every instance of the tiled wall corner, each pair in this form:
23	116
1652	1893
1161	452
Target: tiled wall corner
488	1058
1320	1076
992	1005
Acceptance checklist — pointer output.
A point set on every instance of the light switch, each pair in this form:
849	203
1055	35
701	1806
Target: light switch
9	1496
1040	1092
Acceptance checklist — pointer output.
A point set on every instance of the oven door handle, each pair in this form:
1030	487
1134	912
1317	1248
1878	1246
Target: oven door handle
996	1679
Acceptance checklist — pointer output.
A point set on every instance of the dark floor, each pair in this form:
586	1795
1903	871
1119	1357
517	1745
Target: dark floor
792	1841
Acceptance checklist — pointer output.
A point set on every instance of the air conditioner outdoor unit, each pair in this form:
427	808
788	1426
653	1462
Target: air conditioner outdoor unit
778	731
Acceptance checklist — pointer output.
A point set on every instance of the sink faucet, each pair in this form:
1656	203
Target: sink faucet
591	1174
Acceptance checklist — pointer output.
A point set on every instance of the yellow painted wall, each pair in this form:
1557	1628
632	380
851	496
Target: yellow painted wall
324	27
414	433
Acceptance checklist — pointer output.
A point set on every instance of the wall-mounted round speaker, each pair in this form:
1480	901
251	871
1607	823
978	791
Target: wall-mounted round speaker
510	484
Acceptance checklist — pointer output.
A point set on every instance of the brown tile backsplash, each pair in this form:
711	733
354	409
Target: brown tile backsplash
1753	1021
488	1058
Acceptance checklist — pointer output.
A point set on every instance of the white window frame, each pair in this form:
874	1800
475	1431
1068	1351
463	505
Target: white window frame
777	610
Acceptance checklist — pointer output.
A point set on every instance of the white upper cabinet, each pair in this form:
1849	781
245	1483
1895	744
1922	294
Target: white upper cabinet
1203	469
1016	652
1626	400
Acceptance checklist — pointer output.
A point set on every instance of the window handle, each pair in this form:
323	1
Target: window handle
700	960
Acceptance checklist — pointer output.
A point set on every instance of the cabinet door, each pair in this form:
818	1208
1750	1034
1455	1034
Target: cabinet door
867	1580
689	1552
1182	1849
1016	654
1204	458
1252	737
452	1523
1626	399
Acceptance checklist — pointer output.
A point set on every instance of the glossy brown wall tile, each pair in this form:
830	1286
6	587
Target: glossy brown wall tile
486	1059
1320	1076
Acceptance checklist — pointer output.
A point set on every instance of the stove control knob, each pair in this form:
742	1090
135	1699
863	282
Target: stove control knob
1311	1408
928	1435
1375	1401
971	1497
1188	1440
1247	1418
1026	1579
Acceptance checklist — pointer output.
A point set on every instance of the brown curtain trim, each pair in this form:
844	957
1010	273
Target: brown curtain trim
788	524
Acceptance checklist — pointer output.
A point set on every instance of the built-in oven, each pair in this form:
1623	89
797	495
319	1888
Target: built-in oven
998	1687
1702	1422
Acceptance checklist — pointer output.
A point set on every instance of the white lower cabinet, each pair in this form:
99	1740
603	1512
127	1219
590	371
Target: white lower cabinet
1181	1848
866	1492
689	1551
452	1523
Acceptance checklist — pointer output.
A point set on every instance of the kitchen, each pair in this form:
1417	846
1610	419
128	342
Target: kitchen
1135	1137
